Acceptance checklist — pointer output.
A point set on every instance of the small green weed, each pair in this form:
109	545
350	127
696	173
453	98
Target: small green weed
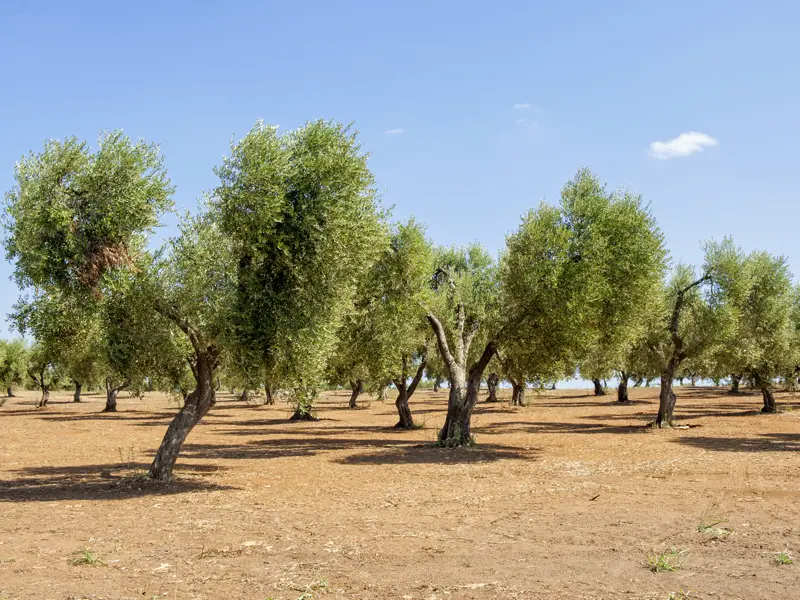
679	595
87	557
667	561
783	558
711	524
315	586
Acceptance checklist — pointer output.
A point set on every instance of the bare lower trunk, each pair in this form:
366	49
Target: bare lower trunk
111	400
598	388
357	386
45	396
406	421
693	380
456	430
517	393
437	383
244	396
197	404
268	391
76	397
666	399
622	390
735	381
769	399
491	383
10	392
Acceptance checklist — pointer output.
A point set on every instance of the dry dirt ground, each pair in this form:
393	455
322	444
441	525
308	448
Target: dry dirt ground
566	498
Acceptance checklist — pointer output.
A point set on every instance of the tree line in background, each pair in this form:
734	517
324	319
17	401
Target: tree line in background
289	276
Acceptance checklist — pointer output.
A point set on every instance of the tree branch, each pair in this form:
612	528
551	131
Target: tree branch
441	339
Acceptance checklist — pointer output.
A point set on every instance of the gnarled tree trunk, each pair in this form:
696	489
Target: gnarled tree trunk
598	388
666	398
404	392
517	392
45	398
111	395
357	386
767	395
76	397
735	381
492	381
622	390
197	405
269	399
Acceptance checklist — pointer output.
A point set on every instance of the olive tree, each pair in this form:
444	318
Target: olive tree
269	262
13	364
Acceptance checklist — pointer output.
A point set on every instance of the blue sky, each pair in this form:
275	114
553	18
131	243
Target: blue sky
474	111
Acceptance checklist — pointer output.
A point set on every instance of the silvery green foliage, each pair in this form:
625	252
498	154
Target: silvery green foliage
303	219
577	280
14	355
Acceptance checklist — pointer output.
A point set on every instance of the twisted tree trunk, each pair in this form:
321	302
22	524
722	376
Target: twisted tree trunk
197	405
491	383
357	386
767	394
622	390
404	392
111	395
598	388
517	393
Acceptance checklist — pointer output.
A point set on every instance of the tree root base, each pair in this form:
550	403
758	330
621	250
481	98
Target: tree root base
298	416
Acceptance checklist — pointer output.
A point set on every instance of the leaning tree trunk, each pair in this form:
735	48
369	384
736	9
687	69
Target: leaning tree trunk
491	383
268	391
517	393
666	398
76	397
622	390
735	381
197	405
598	388
357	386
768	395
10	392
244	396
45	396
404	392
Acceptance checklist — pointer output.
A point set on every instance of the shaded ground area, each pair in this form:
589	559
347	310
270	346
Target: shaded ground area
566	498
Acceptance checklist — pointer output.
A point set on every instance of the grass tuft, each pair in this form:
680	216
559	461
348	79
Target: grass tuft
668	561
87	557
783	558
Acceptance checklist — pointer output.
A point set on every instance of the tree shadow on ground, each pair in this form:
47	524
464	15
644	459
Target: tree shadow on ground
101	482
432	454
765	442
551	427
286	447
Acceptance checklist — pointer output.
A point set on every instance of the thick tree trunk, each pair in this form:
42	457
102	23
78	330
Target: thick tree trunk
10	392
735	381
517	393
76	397
667	398
197	405
693	380
268	391
111	399
598	388
357	386
244	396
45	396
622	390
769	399
491	383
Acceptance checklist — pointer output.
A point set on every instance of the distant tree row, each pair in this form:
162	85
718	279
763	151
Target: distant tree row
289	277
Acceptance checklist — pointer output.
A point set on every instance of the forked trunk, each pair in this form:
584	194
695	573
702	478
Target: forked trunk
357	386
268	391
735	381
622	390
76	397
491	383
598	388
769	399
517	393
197	404
666	398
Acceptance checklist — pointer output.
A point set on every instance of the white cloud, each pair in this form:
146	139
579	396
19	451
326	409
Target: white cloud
522	106
527	122
393	131
685	144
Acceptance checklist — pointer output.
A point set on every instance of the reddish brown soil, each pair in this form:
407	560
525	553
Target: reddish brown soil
566	498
